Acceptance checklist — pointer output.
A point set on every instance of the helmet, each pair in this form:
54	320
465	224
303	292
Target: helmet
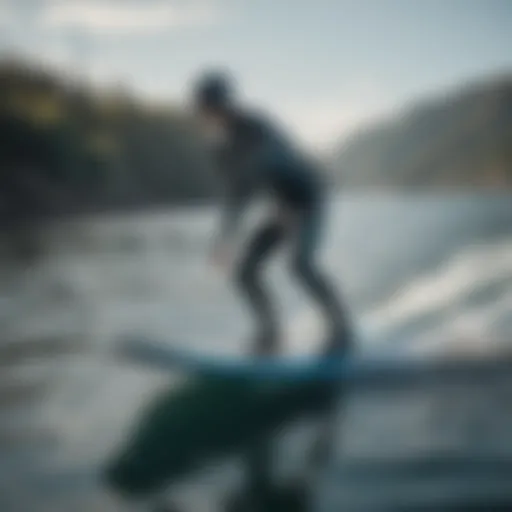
214	90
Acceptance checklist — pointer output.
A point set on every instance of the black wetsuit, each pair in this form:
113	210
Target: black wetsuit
259	158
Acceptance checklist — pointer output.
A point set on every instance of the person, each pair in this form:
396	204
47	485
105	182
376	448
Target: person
254	157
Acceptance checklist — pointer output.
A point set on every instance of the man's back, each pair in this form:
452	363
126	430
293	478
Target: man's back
259	156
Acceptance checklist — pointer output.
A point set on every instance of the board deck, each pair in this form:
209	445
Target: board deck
166	357
382	368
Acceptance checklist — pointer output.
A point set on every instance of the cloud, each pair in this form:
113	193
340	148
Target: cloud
114	17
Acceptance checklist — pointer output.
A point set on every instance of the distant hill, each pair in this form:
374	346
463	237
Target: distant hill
463	139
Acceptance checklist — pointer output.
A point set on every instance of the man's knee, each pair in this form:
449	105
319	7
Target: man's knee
247	276
303	268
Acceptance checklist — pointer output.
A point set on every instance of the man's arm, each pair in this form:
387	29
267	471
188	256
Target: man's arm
244	170
235	202
238	191
238	195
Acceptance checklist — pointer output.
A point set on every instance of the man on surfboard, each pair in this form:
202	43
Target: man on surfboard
254	156
212	417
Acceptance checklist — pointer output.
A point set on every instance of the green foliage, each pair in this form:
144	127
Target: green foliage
68	148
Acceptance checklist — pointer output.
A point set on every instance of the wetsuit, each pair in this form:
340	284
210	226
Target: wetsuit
258	158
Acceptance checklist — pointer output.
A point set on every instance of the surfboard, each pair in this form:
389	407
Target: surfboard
382	368
166	356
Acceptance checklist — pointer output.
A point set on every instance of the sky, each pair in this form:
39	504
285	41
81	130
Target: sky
325	67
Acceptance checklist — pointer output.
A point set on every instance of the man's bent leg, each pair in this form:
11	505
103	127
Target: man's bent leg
320	287
249	279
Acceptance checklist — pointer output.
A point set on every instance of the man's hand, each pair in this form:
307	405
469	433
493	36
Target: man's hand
284	216
222	255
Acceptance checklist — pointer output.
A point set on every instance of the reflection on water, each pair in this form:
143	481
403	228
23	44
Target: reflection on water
420	273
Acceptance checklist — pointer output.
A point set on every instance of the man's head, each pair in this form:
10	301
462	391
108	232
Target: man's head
213	100
214	94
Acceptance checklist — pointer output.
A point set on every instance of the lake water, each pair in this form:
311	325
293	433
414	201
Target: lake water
428	274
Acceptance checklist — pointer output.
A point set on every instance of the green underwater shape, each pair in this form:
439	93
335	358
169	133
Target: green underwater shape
207	419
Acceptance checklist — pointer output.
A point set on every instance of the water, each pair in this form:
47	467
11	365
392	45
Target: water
424	274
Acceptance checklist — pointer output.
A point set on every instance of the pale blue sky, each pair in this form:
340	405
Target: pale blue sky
325	66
